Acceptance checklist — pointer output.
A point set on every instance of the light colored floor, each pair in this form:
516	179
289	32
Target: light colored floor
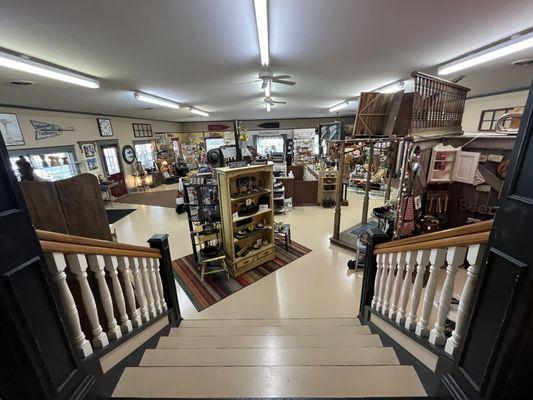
314	286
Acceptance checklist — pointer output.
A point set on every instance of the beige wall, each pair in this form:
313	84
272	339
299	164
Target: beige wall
473	107
85	129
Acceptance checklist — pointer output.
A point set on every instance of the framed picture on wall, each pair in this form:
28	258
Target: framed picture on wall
92	164
142	130
104	125
88	149
10	130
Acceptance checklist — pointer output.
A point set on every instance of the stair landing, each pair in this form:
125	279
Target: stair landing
269	358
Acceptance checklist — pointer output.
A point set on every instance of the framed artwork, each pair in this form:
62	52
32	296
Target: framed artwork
128	154
10	130
92	164
104	125
142	130
45	130
89	150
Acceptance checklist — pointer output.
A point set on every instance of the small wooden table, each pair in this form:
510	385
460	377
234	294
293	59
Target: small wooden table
285	231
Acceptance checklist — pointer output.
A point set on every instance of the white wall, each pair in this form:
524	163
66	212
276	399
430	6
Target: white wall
85	129
474	107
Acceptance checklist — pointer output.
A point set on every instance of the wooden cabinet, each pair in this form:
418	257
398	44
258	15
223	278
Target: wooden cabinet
247	215
327	185
450	164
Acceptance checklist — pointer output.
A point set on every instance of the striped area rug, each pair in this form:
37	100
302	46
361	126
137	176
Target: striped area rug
216	287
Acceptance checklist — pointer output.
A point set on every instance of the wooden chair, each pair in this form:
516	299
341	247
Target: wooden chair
219	257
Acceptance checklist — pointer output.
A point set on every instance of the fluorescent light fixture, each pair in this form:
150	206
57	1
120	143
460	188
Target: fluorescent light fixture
513	45
33	67
156	100
261	20
338	107
198	112
268	107
267	89
392	88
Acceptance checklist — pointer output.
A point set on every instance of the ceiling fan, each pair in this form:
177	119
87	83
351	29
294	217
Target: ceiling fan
270	101
267	77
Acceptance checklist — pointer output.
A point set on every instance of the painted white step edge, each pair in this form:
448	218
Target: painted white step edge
199	323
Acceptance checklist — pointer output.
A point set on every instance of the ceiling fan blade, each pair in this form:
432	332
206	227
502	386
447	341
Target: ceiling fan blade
281	76
290	83
248	82
279	102
264	85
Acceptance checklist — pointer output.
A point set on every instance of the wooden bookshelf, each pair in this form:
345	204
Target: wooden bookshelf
231	201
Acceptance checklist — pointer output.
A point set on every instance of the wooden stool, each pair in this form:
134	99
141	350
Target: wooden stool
203	262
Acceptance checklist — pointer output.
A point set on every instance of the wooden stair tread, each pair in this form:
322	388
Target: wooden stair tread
269	357
270	330
199	323
234	382
289	341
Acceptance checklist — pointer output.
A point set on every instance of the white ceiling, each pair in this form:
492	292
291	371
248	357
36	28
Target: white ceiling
198	51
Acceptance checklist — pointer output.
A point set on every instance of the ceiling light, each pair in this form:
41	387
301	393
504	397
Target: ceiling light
156	100
261	20
392	88
338	107
268	107
513	45
199	112
33	67
267	89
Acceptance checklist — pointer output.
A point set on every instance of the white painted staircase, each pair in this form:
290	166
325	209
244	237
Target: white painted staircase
262	358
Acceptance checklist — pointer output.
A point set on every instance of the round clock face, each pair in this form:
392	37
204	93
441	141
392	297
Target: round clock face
128	154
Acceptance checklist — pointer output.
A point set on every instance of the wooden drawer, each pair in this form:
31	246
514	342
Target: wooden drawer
265	253
244	263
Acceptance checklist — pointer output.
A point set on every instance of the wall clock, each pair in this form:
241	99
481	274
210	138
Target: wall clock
104	124
128	154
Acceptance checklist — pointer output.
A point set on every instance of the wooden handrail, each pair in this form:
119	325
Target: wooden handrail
70	248
48	236
483	226
455	241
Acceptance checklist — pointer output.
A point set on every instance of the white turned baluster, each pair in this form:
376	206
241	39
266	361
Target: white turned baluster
155	262
474	257
422	260
96	264
382	282
379	267
455	258
111	264
390	277
127	274
138	286
436	260
56	264
78	265
153	284
143	265
397	283
404	297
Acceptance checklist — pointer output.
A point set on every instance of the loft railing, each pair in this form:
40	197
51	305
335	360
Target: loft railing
117	288
396	272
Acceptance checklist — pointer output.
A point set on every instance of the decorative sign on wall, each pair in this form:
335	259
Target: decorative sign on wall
92	164
142	130
89	150
104	125
45	130
10	130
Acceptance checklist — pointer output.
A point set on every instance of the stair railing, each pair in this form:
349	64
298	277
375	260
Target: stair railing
109	290
396	273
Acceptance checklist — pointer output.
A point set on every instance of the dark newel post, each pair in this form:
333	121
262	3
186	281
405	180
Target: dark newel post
375	237
160	241
237	144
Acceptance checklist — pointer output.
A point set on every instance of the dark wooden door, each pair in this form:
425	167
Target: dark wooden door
497	355
35	355
112	165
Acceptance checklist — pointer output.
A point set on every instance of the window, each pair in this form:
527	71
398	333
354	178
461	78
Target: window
213	143
47	164
270	144
111	160
145	154
488	119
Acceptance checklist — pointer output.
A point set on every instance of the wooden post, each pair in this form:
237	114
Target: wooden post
160	241
364	217
338	194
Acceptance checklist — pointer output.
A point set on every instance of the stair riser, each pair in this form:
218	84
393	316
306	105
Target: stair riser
272	330
199	323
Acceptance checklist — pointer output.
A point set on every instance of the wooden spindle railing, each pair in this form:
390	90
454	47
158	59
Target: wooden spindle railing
127	285
414	305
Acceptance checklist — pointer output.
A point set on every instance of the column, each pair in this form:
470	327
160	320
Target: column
404	296
422	261
147	287
127	276
379	268
153	283
397	283
133	264
111	266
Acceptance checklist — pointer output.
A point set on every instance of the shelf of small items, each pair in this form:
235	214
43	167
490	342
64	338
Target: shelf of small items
246	201
279	197
327	184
